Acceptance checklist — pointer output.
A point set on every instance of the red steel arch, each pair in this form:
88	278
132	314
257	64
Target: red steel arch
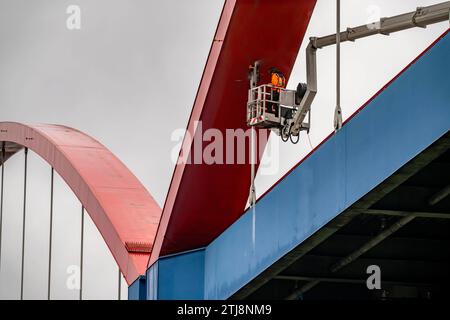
203	200
122	209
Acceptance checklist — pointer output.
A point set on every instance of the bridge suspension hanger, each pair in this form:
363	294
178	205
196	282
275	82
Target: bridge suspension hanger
284	111
253	78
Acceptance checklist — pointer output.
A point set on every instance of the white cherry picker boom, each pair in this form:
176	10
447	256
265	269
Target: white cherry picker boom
284	111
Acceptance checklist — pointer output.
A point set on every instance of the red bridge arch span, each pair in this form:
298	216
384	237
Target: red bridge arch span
122	209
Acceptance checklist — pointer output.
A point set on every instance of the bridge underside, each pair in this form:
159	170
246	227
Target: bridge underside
404	223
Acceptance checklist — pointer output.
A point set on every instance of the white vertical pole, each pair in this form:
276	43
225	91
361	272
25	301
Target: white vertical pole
23	222
3	153
81	252
50	236
338	111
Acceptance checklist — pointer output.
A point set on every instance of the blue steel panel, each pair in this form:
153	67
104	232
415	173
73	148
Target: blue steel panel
398	124
136	291
416	109
181	276
152	282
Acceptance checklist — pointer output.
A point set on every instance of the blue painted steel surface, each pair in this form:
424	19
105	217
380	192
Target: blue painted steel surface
137	291
152	282
178	276
398	124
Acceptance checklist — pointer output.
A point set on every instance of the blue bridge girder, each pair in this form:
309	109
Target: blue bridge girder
402	120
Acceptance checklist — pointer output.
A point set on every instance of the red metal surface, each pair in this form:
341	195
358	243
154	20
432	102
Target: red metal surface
203	200
122	209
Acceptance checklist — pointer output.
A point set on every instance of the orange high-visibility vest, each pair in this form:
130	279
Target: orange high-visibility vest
278	80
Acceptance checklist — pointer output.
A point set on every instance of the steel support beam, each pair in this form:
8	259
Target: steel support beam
119	289
371	243
23	222
439	196
349	281
50	240
353	256
399	177
81	253
415	214
1	198
297	294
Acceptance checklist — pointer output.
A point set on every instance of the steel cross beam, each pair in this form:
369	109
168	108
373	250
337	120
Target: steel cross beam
354	255
439	196
349	280
416	214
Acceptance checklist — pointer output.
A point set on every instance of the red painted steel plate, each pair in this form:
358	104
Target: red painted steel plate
203	200
121	208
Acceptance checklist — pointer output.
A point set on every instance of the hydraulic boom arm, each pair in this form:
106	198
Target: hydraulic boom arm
422	17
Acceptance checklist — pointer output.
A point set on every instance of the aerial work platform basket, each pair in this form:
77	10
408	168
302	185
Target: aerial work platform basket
274	108
270	107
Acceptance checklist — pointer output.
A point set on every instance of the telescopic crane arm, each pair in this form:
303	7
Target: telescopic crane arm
294	106
422	17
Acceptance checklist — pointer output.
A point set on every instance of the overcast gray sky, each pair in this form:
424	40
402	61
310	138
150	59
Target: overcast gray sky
128	77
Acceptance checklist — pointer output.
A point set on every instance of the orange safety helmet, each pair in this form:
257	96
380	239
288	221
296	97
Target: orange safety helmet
277	78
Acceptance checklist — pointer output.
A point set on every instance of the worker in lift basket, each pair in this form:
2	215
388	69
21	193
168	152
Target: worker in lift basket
277	80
